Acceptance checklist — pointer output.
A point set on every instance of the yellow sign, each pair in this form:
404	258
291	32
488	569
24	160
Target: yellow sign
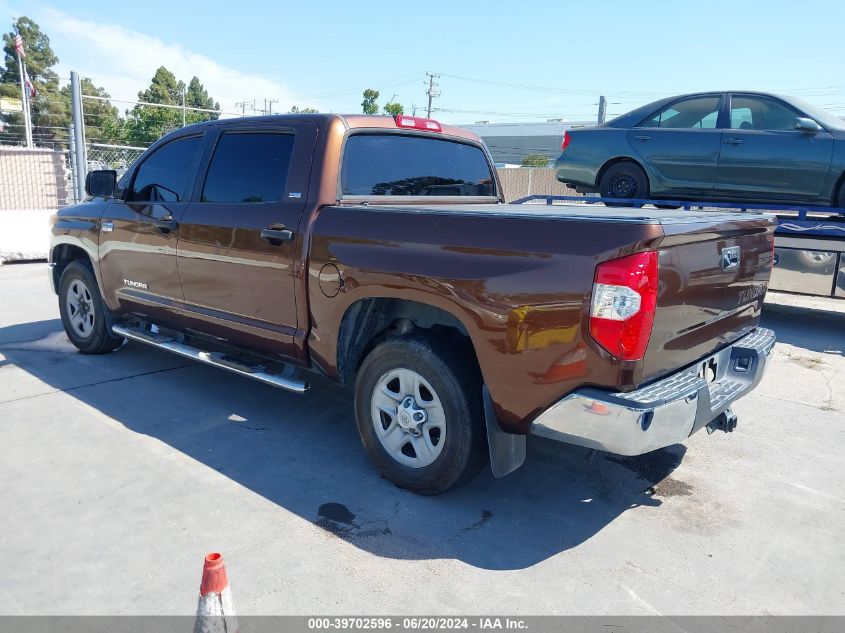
11	105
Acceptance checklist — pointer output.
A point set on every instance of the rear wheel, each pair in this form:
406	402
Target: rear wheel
419	413
83	311
624	180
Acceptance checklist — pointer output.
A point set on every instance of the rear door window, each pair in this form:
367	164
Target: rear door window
163	176
248	167
404	165
692	113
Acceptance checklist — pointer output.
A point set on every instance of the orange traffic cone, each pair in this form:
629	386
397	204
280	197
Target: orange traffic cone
216	610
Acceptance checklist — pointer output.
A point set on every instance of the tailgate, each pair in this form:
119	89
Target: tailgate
706	298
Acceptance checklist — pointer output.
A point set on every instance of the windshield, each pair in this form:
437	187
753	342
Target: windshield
404	165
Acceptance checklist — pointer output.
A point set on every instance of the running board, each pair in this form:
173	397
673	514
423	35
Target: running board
215	359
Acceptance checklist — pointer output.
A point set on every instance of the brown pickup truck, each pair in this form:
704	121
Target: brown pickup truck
379	252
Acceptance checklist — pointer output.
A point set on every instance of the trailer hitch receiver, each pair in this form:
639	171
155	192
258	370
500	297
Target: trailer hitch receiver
725	421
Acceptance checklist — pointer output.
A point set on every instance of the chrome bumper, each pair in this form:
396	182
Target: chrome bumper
664	412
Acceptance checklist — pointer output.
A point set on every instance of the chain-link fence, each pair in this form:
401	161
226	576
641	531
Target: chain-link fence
34	179
117	157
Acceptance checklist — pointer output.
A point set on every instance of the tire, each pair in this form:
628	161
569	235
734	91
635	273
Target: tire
624	180
83	311
815	259
419	413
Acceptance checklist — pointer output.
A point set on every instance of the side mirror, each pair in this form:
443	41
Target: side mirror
101	183
804	124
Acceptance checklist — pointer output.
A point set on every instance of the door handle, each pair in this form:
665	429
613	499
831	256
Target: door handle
733	141
166	225
276	236
642	137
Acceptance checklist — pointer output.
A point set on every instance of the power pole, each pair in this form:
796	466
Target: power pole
433	91
78	134
268	105
184	117
242	105
602	109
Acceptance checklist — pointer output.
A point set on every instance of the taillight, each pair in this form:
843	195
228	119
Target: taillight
566	139
418	123
624	300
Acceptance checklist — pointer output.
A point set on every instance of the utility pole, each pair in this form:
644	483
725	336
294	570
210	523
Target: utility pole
433	91
78	133
268	105
184	116
602	109
242	105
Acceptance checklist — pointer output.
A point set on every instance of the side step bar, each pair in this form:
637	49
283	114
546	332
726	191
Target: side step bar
215	359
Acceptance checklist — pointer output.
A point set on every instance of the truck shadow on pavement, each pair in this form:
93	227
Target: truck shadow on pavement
813	329
303	454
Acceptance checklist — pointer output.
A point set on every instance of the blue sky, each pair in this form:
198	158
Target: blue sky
499	61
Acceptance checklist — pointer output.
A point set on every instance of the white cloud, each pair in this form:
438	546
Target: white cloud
123	62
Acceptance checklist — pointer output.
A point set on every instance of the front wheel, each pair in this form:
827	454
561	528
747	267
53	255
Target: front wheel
419	413
83	311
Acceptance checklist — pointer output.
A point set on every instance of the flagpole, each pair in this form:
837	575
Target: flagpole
27	121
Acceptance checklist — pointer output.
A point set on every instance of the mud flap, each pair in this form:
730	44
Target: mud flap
507	450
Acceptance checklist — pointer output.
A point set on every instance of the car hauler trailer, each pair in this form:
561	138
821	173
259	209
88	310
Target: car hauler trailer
809	240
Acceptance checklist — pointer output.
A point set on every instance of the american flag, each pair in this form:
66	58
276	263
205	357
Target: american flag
19	46
29	85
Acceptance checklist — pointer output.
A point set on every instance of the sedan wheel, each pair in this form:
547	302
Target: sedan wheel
625	180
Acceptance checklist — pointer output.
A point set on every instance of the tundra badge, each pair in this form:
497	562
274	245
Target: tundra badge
135	284
730	258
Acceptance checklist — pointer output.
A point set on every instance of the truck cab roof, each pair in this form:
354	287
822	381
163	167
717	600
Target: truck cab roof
349	121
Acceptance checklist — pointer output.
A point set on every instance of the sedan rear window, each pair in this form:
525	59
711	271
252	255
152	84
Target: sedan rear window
404	165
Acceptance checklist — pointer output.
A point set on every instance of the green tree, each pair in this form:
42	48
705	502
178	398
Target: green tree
393	109
164	88
298	110
50	113
369	105
146	123
535	160
196	96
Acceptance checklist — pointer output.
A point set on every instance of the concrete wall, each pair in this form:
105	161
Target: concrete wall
525	181
25	234
32	179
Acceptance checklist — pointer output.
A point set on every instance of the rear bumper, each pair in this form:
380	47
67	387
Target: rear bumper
664	412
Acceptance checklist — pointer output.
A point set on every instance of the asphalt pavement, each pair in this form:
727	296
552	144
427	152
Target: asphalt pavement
120	472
